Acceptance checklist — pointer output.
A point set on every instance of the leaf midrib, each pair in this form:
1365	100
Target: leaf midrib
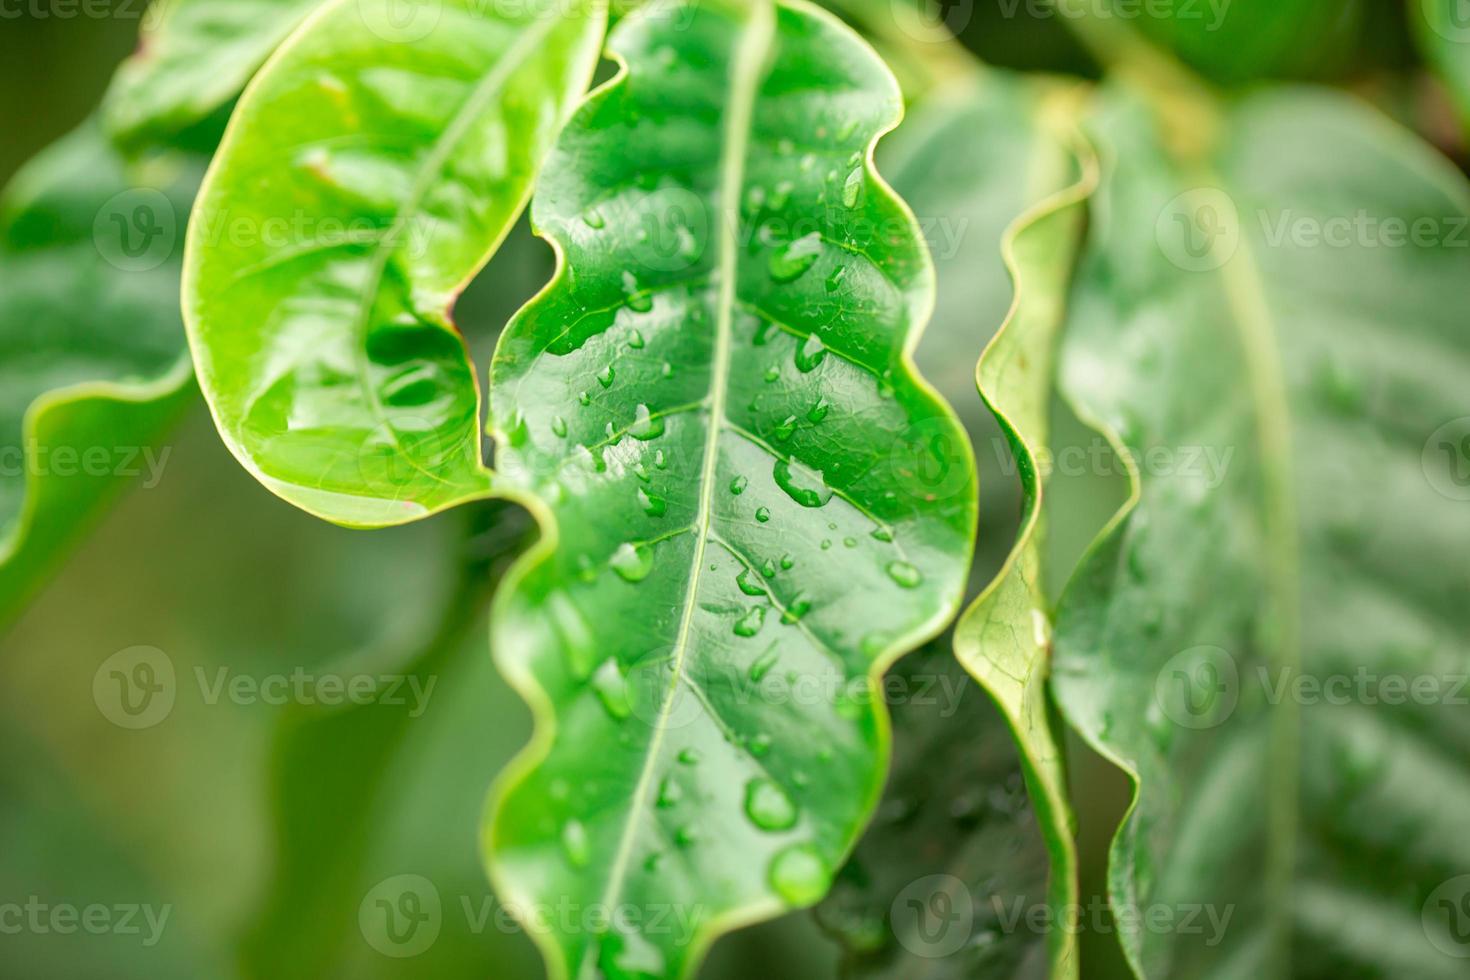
431	168
750	51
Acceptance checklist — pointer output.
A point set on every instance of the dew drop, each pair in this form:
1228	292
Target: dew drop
638	301
763	514
605	376
763	664
791	260
785	428
787	561
584	399
826	544
559	426
750	624
852	188
669	793
773	374
635	340
653	505
632	562
689	757
799	875
768	806
882	534
818	411
646	425
802	484
797	608
748	583
593	218
738	485
768	568
759	745
612	689
834	279
684	838
575	845
811	353
904	574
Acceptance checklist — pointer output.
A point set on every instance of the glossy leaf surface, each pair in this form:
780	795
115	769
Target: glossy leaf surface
94	361
714	404
370	170
1270	317
193	59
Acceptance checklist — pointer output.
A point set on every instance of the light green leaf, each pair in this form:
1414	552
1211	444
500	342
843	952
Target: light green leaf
1443	30
369	171
1269	324
959	834
1004	637
194	57
714	409
94	364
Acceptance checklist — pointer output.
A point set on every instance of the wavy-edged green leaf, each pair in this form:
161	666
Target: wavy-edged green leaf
193	58
371	168
715	408
1004	636
957	850
1259	320
94	362
1443	30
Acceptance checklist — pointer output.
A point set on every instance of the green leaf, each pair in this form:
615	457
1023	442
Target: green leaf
1443	30
1004	636
1269	323
713	408
94	364
369	171
960	835
193	59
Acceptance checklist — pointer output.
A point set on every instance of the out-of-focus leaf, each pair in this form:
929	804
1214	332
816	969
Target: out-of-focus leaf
1270	317
193	59
957	850
714	406
1443	30
1236	41
93	350
369	171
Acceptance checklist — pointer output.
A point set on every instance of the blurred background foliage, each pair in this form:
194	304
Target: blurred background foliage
263	827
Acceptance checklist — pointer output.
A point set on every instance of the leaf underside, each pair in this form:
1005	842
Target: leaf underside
365	177
1326	540
713	405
